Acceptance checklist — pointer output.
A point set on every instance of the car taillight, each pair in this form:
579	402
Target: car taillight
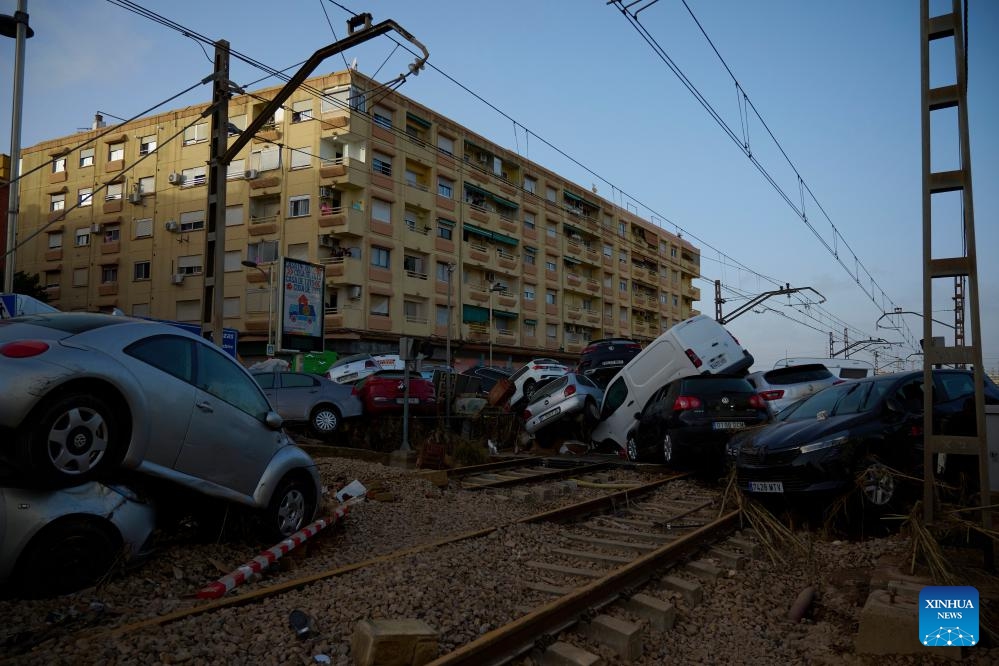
772	395
589	350
684	402
694	358
24	348
527	415
756	401
634	345
569	390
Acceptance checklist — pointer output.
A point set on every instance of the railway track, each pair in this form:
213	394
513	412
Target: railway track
519	471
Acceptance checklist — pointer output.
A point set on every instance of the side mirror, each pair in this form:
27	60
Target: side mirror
273	420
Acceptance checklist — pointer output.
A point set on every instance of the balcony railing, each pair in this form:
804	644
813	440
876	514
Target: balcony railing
416	275
415	319
263	219
503	254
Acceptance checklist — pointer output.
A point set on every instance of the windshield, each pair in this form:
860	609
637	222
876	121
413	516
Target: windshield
851	398
350	359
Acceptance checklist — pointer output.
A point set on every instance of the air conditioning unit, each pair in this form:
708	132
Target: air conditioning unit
175	178
327	241
171	225
250	174
354	292
177	278
326	191
135	197
95	228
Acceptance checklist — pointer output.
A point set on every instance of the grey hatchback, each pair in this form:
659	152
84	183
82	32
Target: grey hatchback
85	394
316	401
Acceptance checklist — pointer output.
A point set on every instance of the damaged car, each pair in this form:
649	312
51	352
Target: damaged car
571	395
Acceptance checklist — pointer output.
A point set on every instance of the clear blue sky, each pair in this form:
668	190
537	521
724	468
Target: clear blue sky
837	83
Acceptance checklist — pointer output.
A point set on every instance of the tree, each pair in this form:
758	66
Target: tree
30	285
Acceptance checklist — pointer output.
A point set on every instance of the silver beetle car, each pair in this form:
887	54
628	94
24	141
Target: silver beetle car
85	394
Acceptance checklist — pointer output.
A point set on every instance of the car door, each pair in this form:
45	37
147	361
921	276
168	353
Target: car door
270	385
227	443
298	393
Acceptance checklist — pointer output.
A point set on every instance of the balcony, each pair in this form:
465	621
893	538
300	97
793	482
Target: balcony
573	248
343	221
592	285
505	259
379	322
692	292
419	195
110	247
591	256
477	332
418	236
337	122
266	185
417	284
107	289
343	270
478	253
262	225
347	316
344	175
574	313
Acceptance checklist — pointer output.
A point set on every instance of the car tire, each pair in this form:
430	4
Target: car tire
631	448
667	454
74	438
65	556
591	411
292	504
878	488
324	421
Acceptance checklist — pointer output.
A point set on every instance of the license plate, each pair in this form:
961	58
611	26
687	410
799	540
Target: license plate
617	362
766	486
412	401
548	415
728	425
717	362
347	377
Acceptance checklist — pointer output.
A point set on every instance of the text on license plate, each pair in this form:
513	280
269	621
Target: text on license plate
766	487
728	425
412	401
717	362
554	412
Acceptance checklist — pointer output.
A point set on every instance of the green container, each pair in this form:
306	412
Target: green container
318	362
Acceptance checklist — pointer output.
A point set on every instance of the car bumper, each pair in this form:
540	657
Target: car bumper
568	407
796	473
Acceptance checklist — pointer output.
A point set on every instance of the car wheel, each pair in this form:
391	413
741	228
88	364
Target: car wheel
877	483
65	556
667	449
292	504
591	411
325	420
75	438
632	449
529	387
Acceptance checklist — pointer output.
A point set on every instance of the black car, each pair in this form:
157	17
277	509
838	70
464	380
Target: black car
856	430
487	377
692	419
601	359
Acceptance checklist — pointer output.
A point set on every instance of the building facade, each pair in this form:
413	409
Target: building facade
406	209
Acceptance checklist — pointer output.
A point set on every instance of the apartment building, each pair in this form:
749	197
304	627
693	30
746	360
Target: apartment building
406	209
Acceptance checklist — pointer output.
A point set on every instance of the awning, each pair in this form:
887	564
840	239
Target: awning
503	238
477	190
444	223
533	322
503	202
425	124
474	314
578	199
503	314
571	261
470	144
491	235
472	229
569	227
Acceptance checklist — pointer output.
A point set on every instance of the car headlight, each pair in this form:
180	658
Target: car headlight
824	444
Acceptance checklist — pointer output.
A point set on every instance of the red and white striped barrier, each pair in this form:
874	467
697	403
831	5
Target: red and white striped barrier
266	558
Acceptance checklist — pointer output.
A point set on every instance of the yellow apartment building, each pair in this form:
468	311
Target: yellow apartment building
405	208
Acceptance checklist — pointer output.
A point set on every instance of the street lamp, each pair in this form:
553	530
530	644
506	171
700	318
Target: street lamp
496	286
270	300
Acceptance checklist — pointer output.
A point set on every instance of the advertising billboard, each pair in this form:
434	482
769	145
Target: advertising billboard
300	326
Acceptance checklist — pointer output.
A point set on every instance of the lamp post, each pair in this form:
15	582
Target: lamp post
270	300
496	286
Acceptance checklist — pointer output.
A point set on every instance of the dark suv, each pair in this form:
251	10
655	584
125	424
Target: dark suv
601	359
691	420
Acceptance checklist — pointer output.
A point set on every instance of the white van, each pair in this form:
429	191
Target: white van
844	368
698	345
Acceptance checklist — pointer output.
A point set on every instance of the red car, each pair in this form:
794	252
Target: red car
383	393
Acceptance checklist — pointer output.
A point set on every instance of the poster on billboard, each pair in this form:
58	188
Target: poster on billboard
302	284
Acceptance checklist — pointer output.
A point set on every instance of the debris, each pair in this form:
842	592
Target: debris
353	489
801	604
322	659
301	623
492	448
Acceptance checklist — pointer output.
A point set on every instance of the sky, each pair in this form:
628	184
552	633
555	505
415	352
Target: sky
576	88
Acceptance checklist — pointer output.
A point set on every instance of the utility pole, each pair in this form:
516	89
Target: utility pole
846	343
213	291
447	350
16	27
753	302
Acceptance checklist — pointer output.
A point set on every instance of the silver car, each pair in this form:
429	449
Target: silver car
58	541
316	401
781	387
565	396
86	393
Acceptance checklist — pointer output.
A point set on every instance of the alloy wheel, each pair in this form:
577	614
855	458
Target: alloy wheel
878	484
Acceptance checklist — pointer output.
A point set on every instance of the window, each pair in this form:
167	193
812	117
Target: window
444	272
219	375
140	270
55	240
116	151
380	256
622	286
414	264
528	292
551	332
142	228
58	165
381	211
341	98
551	298
196	134
622	229
85	196
528	220
57	202
551	230
265	159
445	187
86	157
233	261
112	233
51	279
236	124
192	221
381	163
147	144
608	251
382	117
234	215
82	237
412	311
230	307
442	318
80	276
147	185
530	184
113	192
550	266
551	194
676	301
235	170
298	206
445	144
263	252
109	274
445	229
194	176
530	328
189	264
622	314
379	305
672	252
301	111
300	158
530	256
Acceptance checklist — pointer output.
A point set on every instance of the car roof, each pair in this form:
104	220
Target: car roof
74	322
610	340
